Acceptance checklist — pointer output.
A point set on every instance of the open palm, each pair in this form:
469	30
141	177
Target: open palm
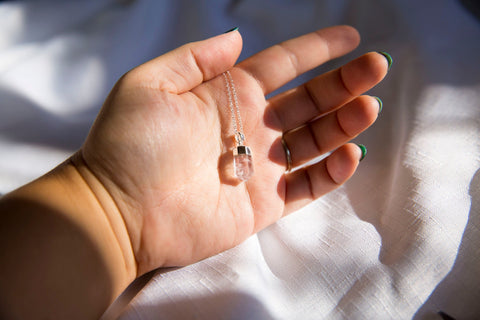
162	144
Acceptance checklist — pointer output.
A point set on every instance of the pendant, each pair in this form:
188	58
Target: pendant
242	162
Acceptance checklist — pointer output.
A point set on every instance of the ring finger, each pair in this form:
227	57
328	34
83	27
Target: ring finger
332	130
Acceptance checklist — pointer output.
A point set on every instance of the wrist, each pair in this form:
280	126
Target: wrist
109	217
65	248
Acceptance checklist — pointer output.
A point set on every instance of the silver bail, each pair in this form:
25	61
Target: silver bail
242	150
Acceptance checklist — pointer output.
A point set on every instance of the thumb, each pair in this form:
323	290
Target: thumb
188	66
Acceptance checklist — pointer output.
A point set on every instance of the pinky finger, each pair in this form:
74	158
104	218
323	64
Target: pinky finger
312	182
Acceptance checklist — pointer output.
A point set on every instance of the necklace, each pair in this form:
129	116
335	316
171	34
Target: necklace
242	155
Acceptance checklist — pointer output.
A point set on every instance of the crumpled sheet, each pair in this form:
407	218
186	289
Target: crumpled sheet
400	240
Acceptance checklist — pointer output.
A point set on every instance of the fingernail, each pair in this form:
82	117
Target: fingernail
364	151
445	316
388	57
380	104
233	29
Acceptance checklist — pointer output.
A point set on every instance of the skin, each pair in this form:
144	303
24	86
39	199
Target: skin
152	186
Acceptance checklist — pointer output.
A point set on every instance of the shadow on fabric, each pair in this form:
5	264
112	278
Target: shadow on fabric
445	296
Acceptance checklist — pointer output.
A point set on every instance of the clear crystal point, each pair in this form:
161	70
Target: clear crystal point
243	163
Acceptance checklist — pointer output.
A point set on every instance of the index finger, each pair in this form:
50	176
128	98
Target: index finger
277	65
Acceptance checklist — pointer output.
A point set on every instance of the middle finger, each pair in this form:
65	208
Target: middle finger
326	92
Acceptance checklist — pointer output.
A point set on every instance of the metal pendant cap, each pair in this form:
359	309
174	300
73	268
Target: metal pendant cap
242	150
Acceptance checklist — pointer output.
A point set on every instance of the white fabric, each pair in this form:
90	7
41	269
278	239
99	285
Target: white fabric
401	240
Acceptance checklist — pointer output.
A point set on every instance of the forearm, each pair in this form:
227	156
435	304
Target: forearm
65	251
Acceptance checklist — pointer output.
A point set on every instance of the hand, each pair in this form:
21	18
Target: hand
162	143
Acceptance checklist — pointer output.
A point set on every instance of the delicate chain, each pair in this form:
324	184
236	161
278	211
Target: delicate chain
230	102
235	100
234	108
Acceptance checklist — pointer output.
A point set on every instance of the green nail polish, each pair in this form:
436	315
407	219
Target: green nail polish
388	57
364	151
233	29
380	104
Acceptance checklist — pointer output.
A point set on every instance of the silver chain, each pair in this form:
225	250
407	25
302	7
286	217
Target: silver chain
234	108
